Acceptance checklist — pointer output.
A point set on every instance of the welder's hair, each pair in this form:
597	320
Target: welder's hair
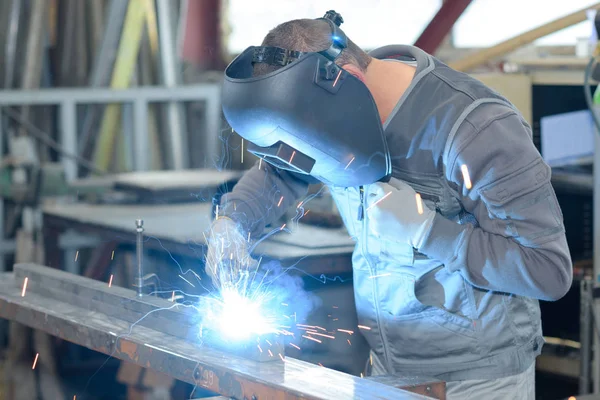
310	35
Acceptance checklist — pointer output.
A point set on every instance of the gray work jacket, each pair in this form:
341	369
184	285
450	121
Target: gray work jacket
465	306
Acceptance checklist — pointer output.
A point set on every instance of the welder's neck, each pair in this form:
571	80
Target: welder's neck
387	82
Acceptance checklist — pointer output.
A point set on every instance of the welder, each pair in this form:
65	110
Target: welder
437	180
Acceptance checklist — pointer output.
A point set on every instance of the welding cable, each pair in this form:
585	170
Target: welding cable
592	307
587	89
46	140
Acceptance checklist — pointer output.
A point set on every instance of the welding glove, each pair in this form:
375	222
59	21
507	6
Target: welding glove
227	255
396	213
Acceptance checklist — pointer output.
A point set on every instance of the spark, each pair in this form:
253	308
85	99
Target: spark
173	297
249	236
334	306
232	310
292	344
187	281
379	276
350	162
282	227
110	280
112	256
35	360
292	157
217	211
307	211
346	331
349	342
280	356
270	344
364	327
466	177
371	359
74	397
259	163
24	287
321	365
311	338
337	78
361	375
280	200
378	201
259	348
76	255
300	204
308	330
335	319
270	353
284	304
321	334
419	203
242	150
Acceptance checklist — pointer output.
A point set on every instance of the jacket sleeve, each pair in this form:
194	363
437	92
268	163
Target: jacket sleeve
261	196
518	243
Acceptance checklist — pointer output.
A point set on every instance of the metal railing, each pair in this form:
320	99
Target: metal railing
67	101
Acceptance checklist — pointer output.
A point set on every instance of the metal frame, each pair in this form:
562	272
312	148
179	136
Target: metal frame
67	101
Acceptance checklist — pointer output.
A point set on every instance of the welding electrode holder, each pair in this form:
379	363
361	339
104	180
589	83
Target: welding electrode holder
139	249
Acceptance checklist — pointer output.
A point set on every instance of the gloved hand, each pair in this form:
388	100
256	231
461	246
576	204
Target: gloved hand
395	214
227	258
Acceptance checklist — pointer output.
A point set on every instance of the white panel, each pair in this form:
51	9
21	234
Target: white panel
488	22
369	24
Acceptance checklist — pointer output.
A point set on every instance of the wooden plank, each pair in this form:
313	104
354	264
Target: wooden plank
473	60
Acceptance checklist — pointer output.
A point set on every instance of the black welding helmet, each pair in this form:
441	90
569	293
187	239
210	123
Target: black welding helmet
309	116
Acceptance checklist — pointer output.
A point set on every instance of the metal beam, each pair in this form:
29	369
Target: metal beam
206	92
170	354
440	26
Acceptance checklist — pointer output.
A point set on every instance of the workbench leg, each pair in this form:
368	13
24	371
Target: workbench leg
48	374
18	376
100	261
53	253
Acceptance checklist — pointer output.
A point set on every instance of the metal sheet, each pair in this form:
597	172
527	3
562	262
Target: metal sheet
209	368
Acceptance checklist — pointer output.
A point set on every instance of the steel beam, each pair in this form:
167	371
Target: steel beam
440	26
69	318
207	92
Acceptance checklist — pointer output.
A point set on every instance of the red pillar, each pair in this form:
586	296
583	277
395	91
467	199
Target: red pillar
202	44
439	27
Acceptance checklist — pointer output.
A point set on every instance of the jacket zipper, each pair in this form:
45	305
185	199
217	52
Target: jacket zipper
361	210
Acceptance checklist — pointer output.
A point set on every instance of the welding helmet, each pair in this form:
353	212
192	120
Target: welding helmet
309	116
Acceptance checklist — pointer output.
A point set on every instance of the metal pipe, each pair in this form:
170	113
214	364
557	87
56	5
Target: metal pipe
198	92
596	236
170	67
585	337
139	224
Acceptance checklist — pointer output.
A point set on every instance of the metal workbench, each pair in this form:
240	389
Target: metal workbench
179	229
61	305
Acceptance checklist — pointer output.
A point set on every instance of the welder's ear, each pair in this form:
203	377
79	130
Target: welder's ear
354	71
